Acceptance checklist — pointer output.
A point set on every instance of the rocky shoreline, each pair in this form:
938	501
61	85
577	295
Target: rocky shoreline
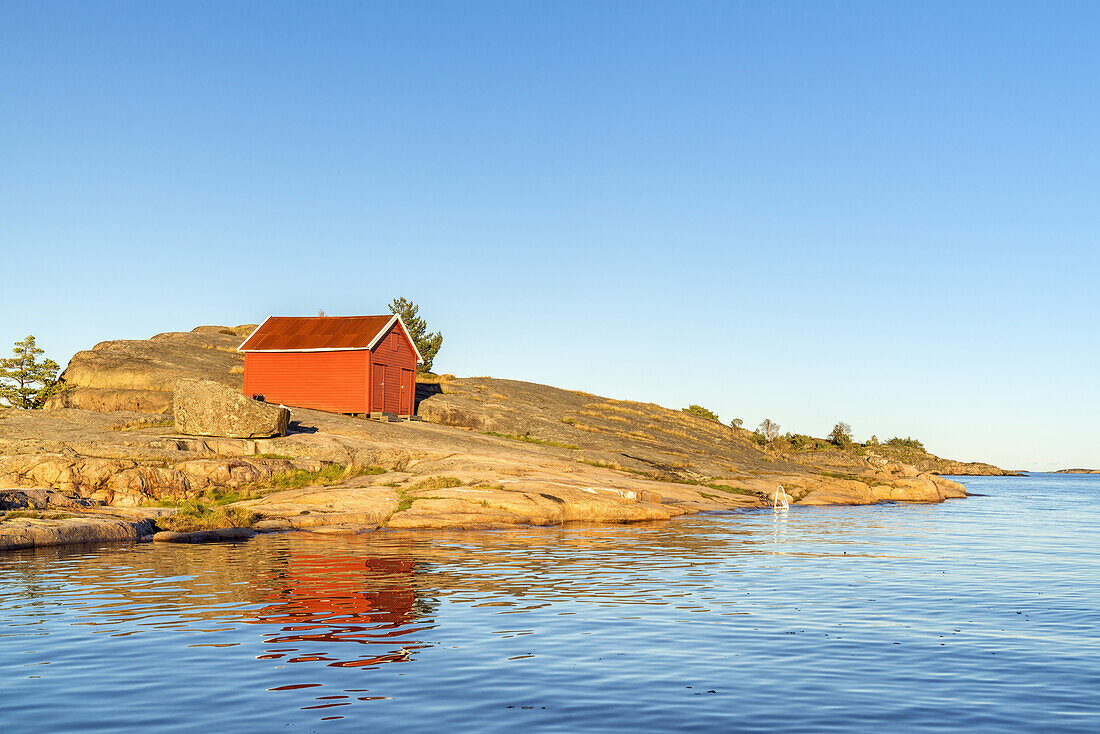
350	509
102	470
107	460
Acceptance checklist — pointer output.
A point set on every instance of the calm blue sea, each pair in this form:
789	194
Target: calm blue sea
980	615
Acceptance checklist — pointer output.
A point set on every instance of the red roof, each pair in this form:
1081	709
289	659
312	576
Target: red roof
309	333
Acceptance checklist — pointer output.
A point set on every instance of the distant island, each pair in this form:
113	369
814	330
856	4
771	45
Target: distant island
1078	471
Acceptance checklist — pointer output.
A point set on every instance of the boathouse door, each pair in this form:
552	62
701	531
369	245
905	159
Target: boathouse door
378	389
408	388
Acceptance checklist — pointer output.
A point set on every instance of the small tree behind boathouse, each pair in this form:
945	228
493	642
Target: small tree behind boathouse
342	364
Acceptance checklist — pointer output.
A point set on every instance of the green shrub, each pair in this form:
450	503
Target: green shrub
702	412
801	441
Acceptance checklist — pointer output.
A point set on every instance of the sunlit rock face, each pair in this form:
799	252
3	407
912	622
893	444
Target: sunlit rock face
208	408
140	374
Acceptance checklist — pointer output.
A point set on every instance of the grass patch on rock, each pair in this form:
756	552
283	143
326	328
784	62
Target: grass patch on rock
33	515
216	496
425	377
326	476
437	483
693	482
531	439
603	464
670	478
733	490
405	499
297	479
869	481
142	423
196	515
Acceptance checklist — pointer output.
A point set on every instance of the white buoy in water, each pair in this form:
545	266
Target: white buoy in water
780	499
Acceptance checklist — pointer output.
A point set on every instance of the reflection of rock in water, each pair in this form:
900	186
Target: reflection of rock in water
335	599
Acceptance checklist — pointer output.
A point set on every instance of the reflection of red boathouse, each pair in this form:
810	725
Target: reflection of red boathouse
323	602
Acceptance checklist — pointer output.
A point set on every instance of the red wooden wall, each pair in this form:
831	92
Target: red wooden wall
395	356
333	381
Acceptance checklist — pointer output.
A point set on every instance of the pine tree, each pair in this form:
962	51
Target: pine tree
841	435
769	429
427	344
24	381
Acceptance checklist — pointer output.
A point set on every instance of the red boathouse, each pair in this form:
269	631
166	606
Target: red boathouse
342	364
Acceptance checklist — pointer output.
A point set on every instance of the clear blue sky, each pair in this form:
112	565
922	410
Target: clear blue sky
885	213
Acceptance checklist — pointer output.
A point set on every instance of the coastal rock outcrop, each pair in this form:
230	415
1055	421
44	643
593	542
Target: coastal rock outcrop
140	374
61	529
920	488
919	461
129	483
41	498
490	453
104	400
208	408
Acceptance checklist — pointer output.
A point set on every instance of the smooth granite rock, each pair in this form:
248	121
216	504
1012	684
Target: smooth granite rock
140	374
89	528
203	536
41	498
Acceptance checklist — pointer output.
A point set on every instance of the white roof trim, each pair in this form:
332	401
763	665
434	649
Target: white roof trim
385	330
373	343
312	349
254	332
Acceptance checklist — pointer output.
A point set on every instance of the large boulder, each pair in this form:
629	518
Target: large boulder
208	408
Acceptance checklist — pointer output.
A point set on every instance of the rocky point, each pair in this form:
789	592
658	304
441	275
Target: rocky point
489	453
